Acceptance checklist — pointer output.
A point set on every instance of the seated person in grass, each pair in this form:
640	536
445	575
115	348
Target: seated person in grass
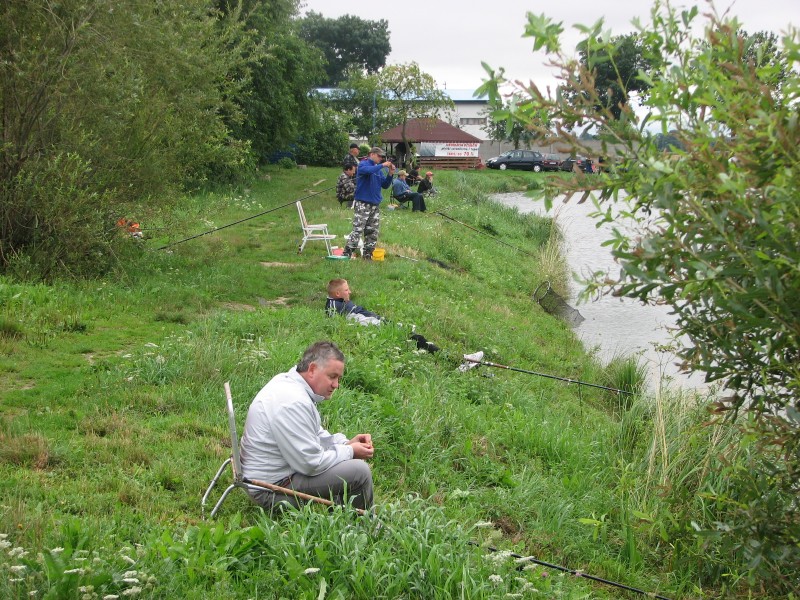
346	185
338	302
402	192
425	186
284	442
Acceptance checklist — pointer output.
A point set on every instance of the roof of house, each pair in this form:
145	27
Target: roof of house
428	130
465	95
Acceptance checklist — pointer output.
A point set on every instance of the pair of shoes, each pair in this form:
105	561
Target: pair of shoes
468	361
367	256
348	252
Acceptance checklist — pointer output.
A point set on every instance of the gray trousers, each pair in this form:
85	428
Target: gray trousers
350	479
366	223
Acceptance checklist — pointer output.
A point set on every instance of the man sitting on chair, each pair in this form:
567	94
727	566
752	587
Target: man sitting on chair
346	185
284	442
402	192
426	185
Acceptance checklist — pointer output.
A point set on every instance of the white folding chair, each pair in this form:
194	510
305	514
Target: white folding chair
234	461
313	232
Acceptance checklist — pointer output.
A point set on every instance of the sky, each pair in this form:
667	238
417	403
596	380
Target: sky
450	38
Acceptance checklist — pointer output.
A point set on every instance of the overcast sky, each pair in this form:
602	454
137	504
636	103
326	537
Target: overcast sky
450	38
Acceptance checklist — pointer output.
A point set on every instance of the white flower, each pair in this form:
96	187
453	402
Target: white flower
33	593
483	524
16	580
310	571
74	571
56	550
495	579
110	597
86	588
131	580
17	568
128	559
3	536
130	574
17	552
134	591
4	544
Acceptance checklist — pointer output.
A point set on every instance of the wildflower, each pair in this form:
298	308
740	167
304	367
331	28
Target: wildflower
131	580
3	536
495	579
17	552
310	571
16	580
130	574
33	593
17	568
483	524
110	597
86	589
56	550
78	571
128	559
4	544
134	591
510	595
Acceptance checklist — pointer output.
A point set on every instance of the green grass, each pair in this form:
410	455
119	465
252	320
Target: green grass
112	419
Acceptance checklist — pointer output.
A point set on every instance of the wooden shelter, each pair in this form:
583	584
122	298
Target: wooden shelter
437	145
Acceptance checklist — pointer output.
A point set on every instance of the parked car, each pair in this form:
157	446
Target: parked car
551	162
584	164
517	159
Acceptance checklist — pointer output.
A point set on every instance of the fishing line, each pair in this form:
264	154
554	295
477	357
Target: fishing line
261	214
567	379
496	239
542	563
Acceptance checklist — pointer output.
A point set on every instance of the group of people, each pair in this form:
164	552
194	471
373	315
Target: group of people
360	185
284	443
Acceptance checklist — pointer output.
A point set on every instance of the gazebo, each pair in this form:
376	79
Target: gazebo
439	145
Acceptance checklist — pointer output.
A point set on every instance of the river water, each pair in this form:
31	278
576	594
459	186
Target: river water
612	326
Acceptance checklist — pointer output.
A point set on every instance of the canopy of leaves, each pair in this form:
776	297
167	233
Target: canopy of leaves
718	235
347	43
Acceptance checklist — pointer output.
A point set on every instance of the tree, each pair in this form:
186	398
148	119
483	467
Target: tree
103	105
718	241
409	93
347	43
502	126
613	68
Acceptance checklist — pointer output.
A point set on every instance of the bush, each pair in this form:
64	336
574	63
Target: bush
287	163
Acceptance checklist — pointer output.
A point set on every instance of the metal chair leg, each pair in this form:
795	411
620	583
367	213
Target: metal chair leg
211	487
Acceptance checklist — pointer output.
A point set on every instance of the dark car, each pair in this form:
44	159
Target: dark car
517	159
584	164
551	162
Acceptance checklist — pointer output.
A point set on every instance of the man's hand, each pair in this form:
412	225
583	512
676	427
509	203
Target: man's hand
362	446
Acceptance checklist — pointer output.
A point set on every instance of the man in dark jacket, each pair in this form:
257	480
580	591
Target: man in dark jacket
352	156
370	180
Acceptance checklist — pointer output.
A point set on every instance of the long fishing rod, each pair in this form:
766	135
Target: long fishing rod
496	239
621	586
567	379
261	214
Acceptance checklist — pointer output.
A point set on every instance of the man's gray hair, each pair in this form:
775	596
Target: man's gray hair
320	353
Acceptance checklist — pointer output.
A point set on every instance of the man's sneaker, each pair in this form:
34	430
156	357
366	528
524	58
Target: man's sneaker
348	252
468	362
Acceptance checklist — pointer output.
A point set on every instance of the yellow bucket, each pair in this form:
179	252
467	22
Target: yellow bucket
378	254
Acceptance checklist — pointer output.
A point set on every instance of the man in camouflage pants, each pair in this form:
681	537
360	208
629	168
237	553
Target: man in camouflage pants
370	180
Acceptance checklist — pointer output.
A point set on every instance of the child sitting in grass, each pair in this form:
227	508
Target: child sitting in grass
338	302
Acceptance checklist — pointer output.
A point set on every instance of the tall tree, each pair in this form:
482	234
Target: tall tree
407	92
613	67
347	42
502	126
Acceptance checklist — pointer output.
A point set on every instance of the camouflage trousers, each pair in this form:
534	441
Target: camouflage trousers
366	223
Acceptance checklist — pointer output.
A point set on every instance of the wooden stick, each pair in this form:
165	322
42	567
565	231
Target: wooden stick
300	495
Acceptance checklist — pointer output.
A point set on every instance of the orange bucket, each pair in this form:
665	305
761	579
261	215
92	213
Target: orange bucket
378	254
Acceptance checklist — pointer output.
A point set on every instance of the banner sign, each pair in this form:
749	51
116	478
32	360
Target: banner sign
457	149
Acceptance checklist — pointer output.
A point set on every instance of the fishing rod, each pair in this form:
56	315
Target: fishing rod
261	214
567	379
496	239
542	563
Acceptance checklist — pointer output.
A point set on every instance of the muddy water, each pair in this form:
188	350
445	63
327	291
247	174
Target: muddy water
612	326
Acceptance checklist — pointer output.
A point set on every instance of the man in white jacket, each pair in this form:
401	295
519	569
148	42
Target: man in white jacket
284	442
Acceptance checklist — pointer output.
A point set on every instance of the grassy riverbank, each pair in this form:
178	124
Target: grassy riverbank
112	421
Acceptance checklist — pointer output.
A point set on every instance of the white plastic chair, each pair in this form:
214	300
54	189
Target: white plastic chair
234	461
313	232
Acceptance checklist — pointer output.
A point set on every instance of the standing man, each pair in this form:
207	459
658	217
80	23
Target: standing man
346	185
284	442
370	180
352	156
